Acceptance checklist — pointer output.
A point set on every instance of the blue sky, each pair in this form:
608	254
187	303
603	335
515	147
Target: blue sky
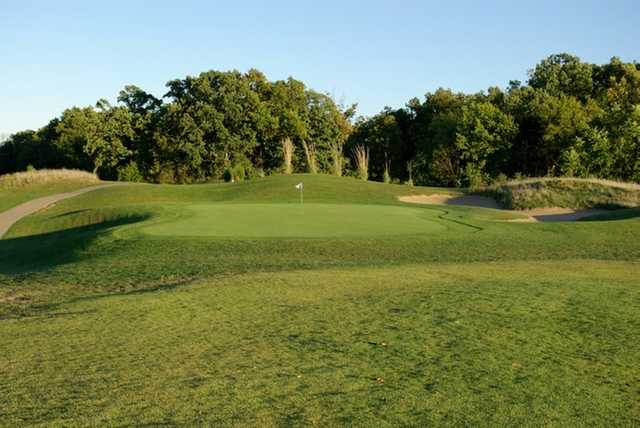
59	54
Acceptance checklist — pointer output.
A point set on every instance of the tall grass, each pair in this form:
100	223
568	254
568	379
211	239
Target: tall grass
601	181
386	177
564	192
338	160
310	154
287	154
44	176
361	155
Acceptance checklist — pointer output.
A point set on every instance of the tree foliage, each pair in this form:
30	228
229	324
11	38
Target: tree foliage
204	125
569	118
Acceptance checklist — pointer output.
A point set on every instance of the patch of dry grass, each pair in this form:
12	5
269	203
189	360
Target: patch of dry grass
287	153
601	181
361	155
565	193
44	176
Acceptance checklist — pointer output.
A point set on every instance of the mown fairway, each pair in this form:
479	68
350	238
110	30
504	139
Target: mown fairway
230	304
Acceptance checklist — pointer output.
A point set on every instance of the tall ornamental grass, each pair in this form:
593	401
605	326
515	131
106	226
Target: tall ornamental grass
287	154
310	153
361	155
44	176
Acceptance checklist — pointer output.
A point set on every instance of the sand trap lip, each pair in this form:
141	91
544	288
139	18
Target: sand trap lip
463	200
553	214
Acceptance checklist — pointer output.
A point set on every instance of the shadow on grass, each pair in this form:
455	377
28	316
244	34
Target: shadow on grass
69	213
38	253
54	309
619	214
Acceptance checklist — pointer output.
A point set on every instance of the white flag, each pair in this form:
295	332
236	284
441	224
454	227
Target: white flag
299	186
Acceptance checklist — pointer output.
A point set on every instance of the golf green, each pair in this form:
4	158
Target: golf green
303	221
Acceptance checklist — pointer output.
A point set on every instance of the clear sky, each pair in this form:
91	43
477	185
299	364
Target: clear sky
59	54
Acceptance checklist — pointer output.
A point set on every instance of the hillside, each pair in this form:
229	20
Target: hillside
234	304
564	193
20	187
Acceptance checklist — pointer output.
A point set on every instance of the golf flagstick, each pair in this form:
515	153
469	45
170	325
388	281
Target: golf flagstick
300	187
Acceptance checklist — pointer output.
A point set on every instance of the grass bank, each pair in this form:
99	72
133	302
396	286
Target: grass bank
564	193
21	187
218	305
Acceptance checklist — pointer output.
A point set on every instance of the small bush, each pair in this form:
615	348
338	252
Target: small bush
238	173
233	174
500	180
475	177
165	176
130	172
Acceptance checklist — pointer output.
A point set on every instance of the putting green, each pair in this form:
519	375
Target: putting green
304	221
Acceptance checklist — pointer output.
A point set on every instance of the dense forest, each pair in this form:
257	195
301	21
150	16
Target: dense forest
570	118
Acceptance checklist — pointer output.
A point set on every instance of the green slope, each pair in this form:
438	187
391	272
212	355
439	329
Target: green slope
221	305
10	198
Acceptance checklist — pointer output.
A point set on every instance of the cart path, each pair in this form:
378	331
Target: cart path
11	216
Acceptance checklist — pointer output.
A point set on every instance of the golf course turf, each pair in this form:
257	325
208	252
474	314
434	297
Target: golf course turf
301	221
234	305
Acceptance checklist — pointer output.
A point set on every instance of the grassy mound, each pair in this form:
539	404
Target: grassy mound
564	193
24	186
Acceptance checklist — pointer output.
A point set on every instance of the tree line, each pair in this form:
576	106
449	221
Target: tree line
570	118
205	127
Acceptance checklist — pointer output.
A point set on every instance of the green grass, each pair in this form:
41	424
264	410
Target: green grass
188	305
565	193
299	221
21	187
14	196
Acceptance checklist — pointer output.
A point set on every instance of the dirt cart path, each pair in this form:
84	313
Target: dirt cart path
11	216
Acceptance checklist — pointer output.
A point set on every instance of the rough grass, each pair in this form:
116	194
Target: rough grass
499	344
604	182
44	176
564	193
484	323
24	186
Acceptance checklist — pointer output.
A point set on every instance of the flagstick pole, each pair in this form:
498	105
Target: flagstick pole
301	197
